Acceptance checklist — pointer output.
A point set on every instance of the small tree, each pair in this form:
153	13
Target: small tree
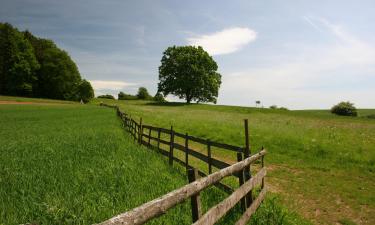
257	103
85	91
273	107
143	93
159	97
344	109
190	73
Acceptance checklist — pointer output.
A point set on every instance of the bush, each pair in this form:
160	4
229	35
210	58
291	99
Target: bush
273	107
344	109
159	97
143	94
123	96
372	116
106	96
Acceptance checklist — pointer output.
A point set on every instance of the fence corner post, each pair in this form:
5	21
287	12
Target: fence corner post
209	156
195	199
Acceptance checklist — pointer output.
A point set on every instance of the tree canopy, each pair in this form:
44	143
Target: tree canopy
36	67
143	94
189	73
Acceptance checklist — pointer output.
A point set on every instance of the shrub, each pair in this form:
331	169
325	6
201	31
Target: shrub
273	107
123	96
106	96
159	97
143	94
372	116
344	109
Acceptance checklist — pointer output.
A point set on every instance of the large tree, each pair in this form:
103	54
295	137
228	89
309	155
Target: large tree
190	73
18	64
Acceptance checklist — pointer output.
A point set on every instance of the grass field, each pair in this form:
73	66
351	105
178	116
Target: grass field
322	165
74	164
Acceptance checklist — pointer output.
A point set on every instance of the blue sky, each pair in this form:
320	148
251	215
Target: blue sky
297	54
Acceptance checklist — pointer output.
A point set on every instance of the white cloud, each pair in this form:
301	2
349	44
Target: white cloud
109	85
319	76
225	41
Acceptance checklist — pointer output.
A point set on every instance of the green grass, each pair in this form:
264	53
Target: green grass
74	164
323	165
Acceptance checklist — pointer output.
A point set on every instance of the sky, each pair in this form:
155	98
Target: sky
298	54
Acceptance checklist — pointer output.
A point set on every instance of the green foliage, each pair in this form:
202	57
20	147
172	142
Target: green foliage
143	94
344	109
107	96
189	73
123	96
31	66
17	63
159	98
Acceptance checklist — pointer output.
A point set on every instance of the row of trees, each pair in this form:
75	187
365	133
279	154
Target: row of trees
142	94
36	67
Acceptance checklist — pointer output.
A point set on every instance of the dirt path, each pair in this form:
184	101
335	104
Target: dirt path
29	103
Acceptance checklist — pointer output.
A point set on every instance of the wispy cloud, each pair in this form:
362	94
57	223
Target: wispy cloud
225	41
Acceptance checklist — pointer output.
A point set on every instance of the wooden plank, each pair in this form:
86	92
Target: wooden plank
219	185
227	146
159	206
218	211
195	200
199	140
179	134
166	131
251	210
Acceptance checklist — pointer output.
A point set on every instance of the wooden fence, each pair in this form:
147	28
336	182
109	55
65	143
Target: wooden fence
143	134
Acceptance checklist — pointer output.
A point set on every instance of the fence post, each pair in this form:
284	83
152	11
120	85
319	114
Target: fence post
140	132
262	167
149	137
209	156
241	182
247	172
187	151
195	199
159	139
171	147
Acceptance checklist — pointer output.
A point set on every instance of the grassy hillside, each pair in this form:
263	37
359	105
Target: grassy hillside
322	165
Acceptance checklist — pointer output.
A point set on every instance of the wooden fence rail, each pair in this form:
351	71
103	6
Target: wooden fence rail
159	206
145	135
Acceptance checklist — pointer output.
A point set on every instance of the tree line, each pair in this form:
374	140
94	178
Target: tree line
36	67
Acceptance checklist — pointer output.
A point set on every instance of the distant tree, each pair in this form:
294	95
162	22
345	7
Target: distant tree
107	96
123	96
189	73
85	91
159	97
344	109
257	103
143	94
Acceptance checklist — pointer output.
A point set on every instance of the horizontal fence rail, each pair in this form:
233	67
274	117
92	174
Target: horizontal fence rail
164	141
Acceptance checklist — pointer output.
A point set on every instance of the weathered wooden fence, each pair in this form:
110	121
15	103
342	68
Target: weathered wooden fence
143	134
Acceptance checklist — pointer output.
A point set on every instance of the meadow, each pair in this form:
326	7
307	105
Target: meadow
75	164
321	165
